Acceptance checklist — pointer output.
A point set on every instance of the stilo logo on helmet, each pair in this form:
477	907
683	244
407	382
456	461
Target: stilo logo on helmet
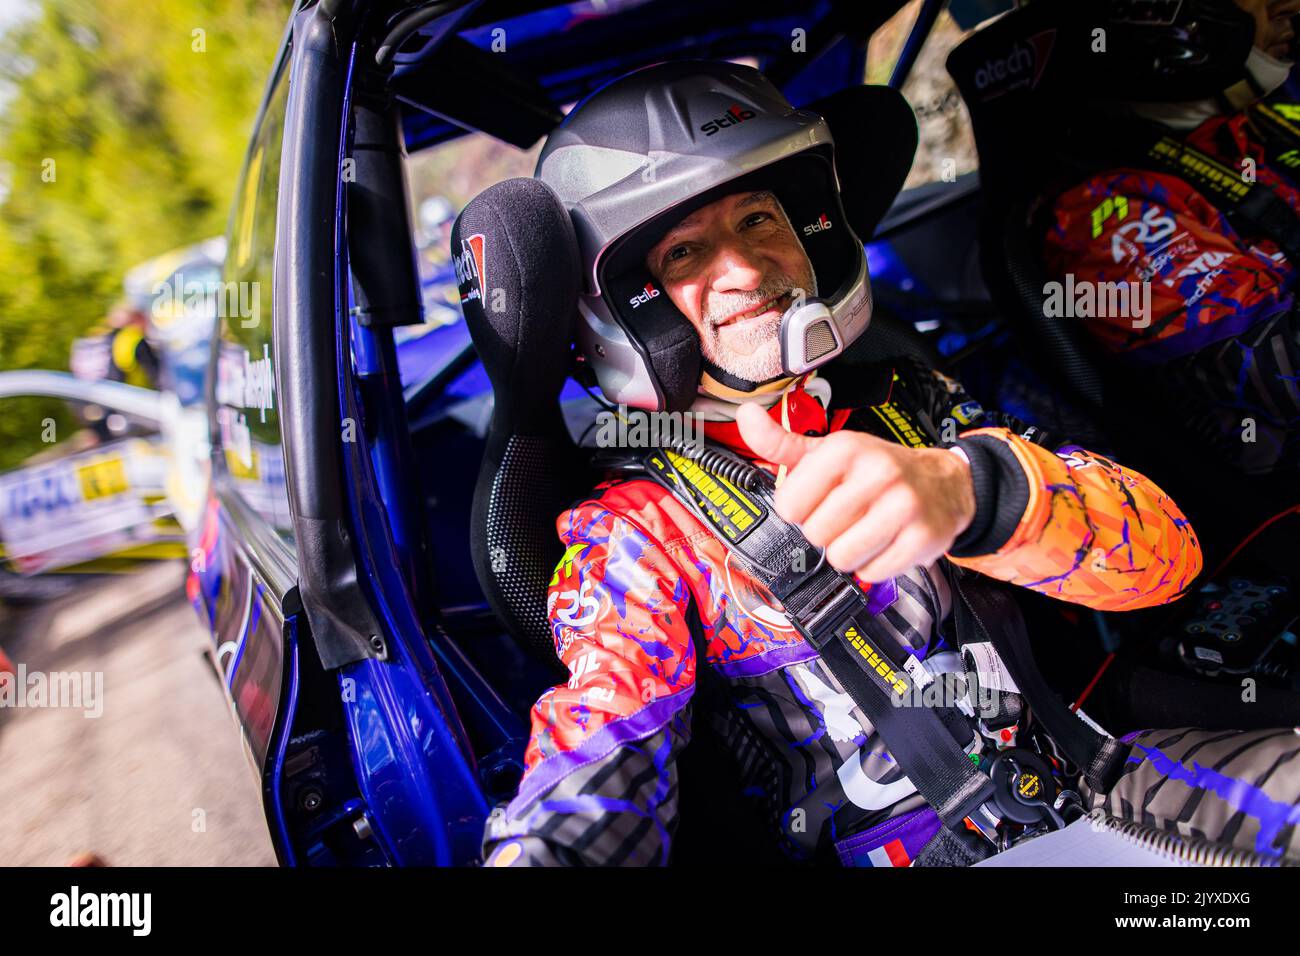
821	225
648	293
733	117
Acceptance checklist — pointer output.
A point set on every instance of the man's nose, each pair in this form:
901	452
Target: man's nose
736	269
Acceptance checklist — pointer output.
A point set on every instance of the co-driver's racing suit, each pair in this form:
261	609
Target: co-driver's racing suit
1223	327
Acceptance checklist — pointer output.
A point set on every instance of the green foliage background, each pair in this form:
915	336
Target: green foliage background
146	121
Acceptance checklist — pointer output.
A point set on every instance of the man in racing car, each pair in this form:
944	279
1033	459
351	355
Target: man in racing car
723	283
1223	328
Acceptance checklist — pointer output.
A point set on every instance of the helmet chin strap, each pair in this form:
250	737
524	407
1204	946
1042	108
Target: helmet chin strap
722	406
1264	74
1268	72
710	385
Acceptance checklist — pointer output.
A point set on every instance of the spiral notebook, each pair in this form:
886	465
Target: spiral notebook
1082	843
1100	839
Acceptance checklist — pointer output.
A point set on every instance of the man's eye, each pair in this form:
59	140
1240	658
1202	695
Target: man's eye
754	219
675	253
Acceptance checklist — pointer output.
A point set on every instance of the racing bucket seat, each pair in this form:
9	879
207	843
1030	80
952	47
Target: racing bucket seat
1009	75
1046	118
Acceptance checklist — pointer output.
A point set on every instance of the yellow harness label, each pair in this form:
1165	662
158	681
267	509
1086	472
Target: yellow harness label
725	505
1205	170
900	425
874	659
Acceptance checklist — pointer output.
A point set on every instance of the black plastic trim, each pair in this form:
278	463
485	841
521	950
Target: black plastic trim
499	97
343	625
386	286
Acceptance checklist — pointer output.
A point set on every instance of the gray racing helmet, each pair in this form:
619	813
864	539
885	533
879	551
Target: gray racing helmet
634	158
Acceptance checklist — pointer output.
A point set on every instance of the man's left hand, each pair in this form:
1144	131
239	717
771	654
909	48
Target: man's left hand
876	507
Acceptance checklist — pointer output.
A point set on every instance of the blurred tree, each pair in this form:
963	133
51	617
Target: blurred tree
122	130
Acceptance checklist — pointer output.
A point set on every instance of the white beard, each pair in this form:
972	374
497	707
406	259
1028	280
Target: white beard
761	340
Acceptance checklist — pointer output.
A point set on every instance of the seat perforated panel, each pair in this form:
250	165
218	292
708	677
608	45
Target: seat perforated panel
524	497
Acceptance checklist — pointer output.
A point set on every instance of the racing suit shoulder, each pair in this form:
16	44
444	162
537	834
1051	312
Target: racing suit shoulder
641	502
952	410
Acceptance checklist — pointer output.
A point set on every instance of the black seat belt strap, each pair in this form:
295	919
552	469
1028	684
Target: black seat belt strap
831	611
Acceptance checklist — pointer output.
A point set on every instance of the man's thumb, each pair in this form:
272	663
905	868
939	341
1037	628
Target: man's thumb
768	440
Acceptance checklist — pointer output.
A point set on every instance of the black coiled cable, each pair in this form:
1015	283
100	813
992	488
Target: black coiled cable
721	464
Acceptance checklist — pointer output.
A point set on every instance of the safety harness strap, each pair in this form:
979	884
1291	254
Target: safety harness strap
918	738
1276	125
832	613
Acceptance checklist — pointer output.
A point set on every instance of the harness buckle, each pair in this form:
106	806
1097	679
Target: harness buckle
1024	790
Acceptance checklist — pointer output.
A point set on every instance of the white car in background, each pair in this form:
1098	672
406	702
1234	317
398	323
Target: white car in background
87	507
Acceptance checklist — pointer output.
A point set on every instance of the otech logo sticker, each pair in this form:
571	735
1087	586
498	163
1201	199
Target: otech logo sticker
471	270
1022	66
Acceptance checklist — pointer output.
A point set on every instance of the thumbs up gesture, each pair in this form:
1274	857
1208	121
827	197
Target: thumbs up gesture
876	507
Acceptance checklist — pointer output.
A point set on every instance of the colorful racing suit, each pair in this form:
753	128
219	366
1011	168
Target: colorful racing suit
1223	326
646	599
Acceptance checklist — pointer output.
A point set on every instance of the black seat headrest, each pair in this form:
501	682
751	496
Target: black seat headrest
518	270
875	142
517	267
1016	76
1009	75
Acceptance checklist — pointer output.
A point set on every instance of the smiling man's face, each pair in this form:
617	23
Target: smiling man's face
733	267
